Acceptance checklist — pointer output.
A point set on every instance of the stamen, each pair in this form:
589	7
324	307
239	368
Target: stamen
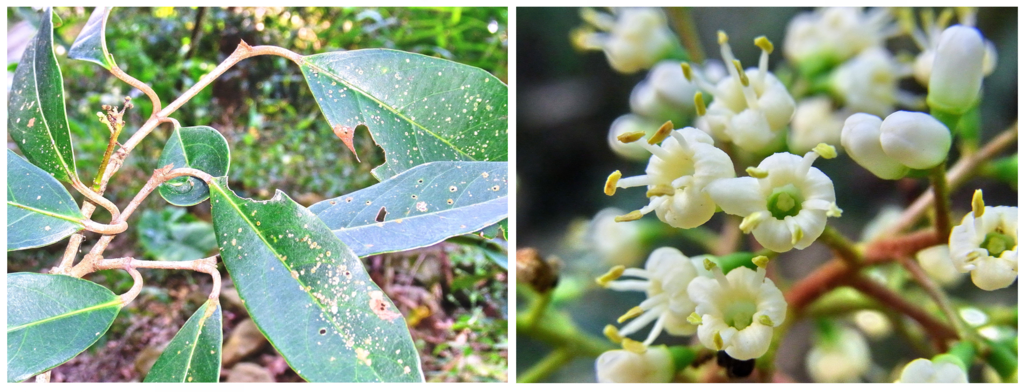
751	221
655	202
657	151
656	329
765	320
661	133
611	183
807	162
632	216
765	45
944	17
694	318
628	285
682	182
762	65
653	301
633	346
612	334
826	151
643	320
698	101
834	211
757	172
719	275
798	234
760	261
723	39
635	181
719	344
927	19
965	15
709	265
611	275
632	313
977	204
743	75
748	92
661	190
636	273
687	71
630	137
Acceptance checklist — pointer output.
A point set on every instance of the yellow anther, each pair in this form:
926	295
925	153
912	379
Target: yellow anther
750	222
694	318
633	346
722	37
709	265
757	172
632	216
630	137
611	183
687	71
977	204
636	311
763	43
761	261
826	151
743	75
661	133
906	20
972	255
661	190
834	211
698	101
765	320
798	234
719	344
612	274
612	334
944	17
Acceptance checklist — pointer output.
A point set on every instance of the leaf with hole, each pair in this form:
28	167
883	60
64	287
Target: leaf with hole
39	210
309	294
425	205
91	44
419	109
194	353
51	319
36	118
201	148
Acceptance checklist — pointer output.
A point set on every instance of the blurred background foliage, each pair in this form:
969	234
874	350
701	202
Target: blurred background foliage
278	137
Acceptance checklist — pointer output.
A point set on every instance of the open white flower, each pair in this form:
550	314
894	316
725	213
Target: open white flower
937	263
664	278
785	203
634	38
679	169
844	358
737	312
985	243
814	122
750	107
832	35
870	83
925	371
665	93
630	124
636	365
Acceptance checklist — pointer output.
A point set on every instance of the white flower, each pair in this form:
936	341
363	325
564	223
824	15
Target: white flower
635	38
832	35
615	242
936	262
842	359
664	278
915	139
679	169
862	140
922	370
665	93
957	70
625	366
985	243
870	83
814	122
750	107
875	324
785	204
928	41
737	312
630	124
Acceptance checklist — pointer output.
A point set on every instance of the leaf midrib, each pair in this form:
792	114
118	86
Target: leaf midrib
35	79
113	303
43	212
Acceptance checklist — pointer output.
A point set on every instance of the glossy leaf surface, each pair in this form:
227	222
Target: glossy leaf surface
53	318
420	207
195	352
40	211
37	120
419	109
91	44
201	148
309	294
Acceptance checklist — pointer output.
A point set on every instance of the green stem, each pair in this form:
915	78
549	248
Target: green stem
842	246
940	298
766	363
539	306
1001	359
551	363
97	183
942	210
687	30
567	336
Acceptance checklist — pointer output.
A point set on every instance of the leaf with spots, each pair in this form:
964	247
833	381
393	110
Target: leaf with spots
194	353
309	294
53	318
201	148
91	44
36	118
419	109
39	210
425	205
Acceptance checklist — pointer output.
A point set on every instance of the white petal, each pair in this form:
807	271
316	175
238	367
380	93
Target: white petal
679	325
812	222
621	366
687	209
703	291
771	303
709	326
750	130
750	342
915	139
994	273
861	139
774	234
737	196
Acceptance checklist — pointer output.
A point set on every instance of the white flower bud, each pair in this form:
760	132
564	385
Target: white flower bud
615	242
957	70
622	366
664	90
843	359
630	123
861	139
924	371
937	263
915	139
814	122
636	39
874	323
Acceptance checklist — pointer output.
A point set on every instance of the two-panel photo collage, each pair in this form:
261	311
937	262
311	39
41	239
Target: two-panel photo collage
501	194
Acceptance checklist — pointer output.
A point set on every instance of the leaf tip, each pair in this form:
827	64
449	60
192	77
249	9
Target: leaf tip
346	134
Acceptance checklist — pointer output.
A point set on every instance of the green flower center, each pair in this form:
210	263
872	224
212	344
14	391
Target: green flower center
785	201
996	243
739	314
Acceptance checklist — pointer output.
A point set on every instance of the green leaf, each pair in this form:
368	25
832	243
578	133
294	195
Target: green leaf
201	148
497	230
419	109
91	44
174	234
309	294
39	210
37	120
194	353
424	206
52	318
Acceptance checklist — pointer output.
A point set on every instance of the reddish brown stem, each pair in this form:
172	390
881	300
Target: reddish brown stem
939	332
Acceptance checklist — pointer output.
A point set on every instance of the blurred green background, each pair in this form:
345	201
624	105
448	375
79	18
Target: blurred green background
278	139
